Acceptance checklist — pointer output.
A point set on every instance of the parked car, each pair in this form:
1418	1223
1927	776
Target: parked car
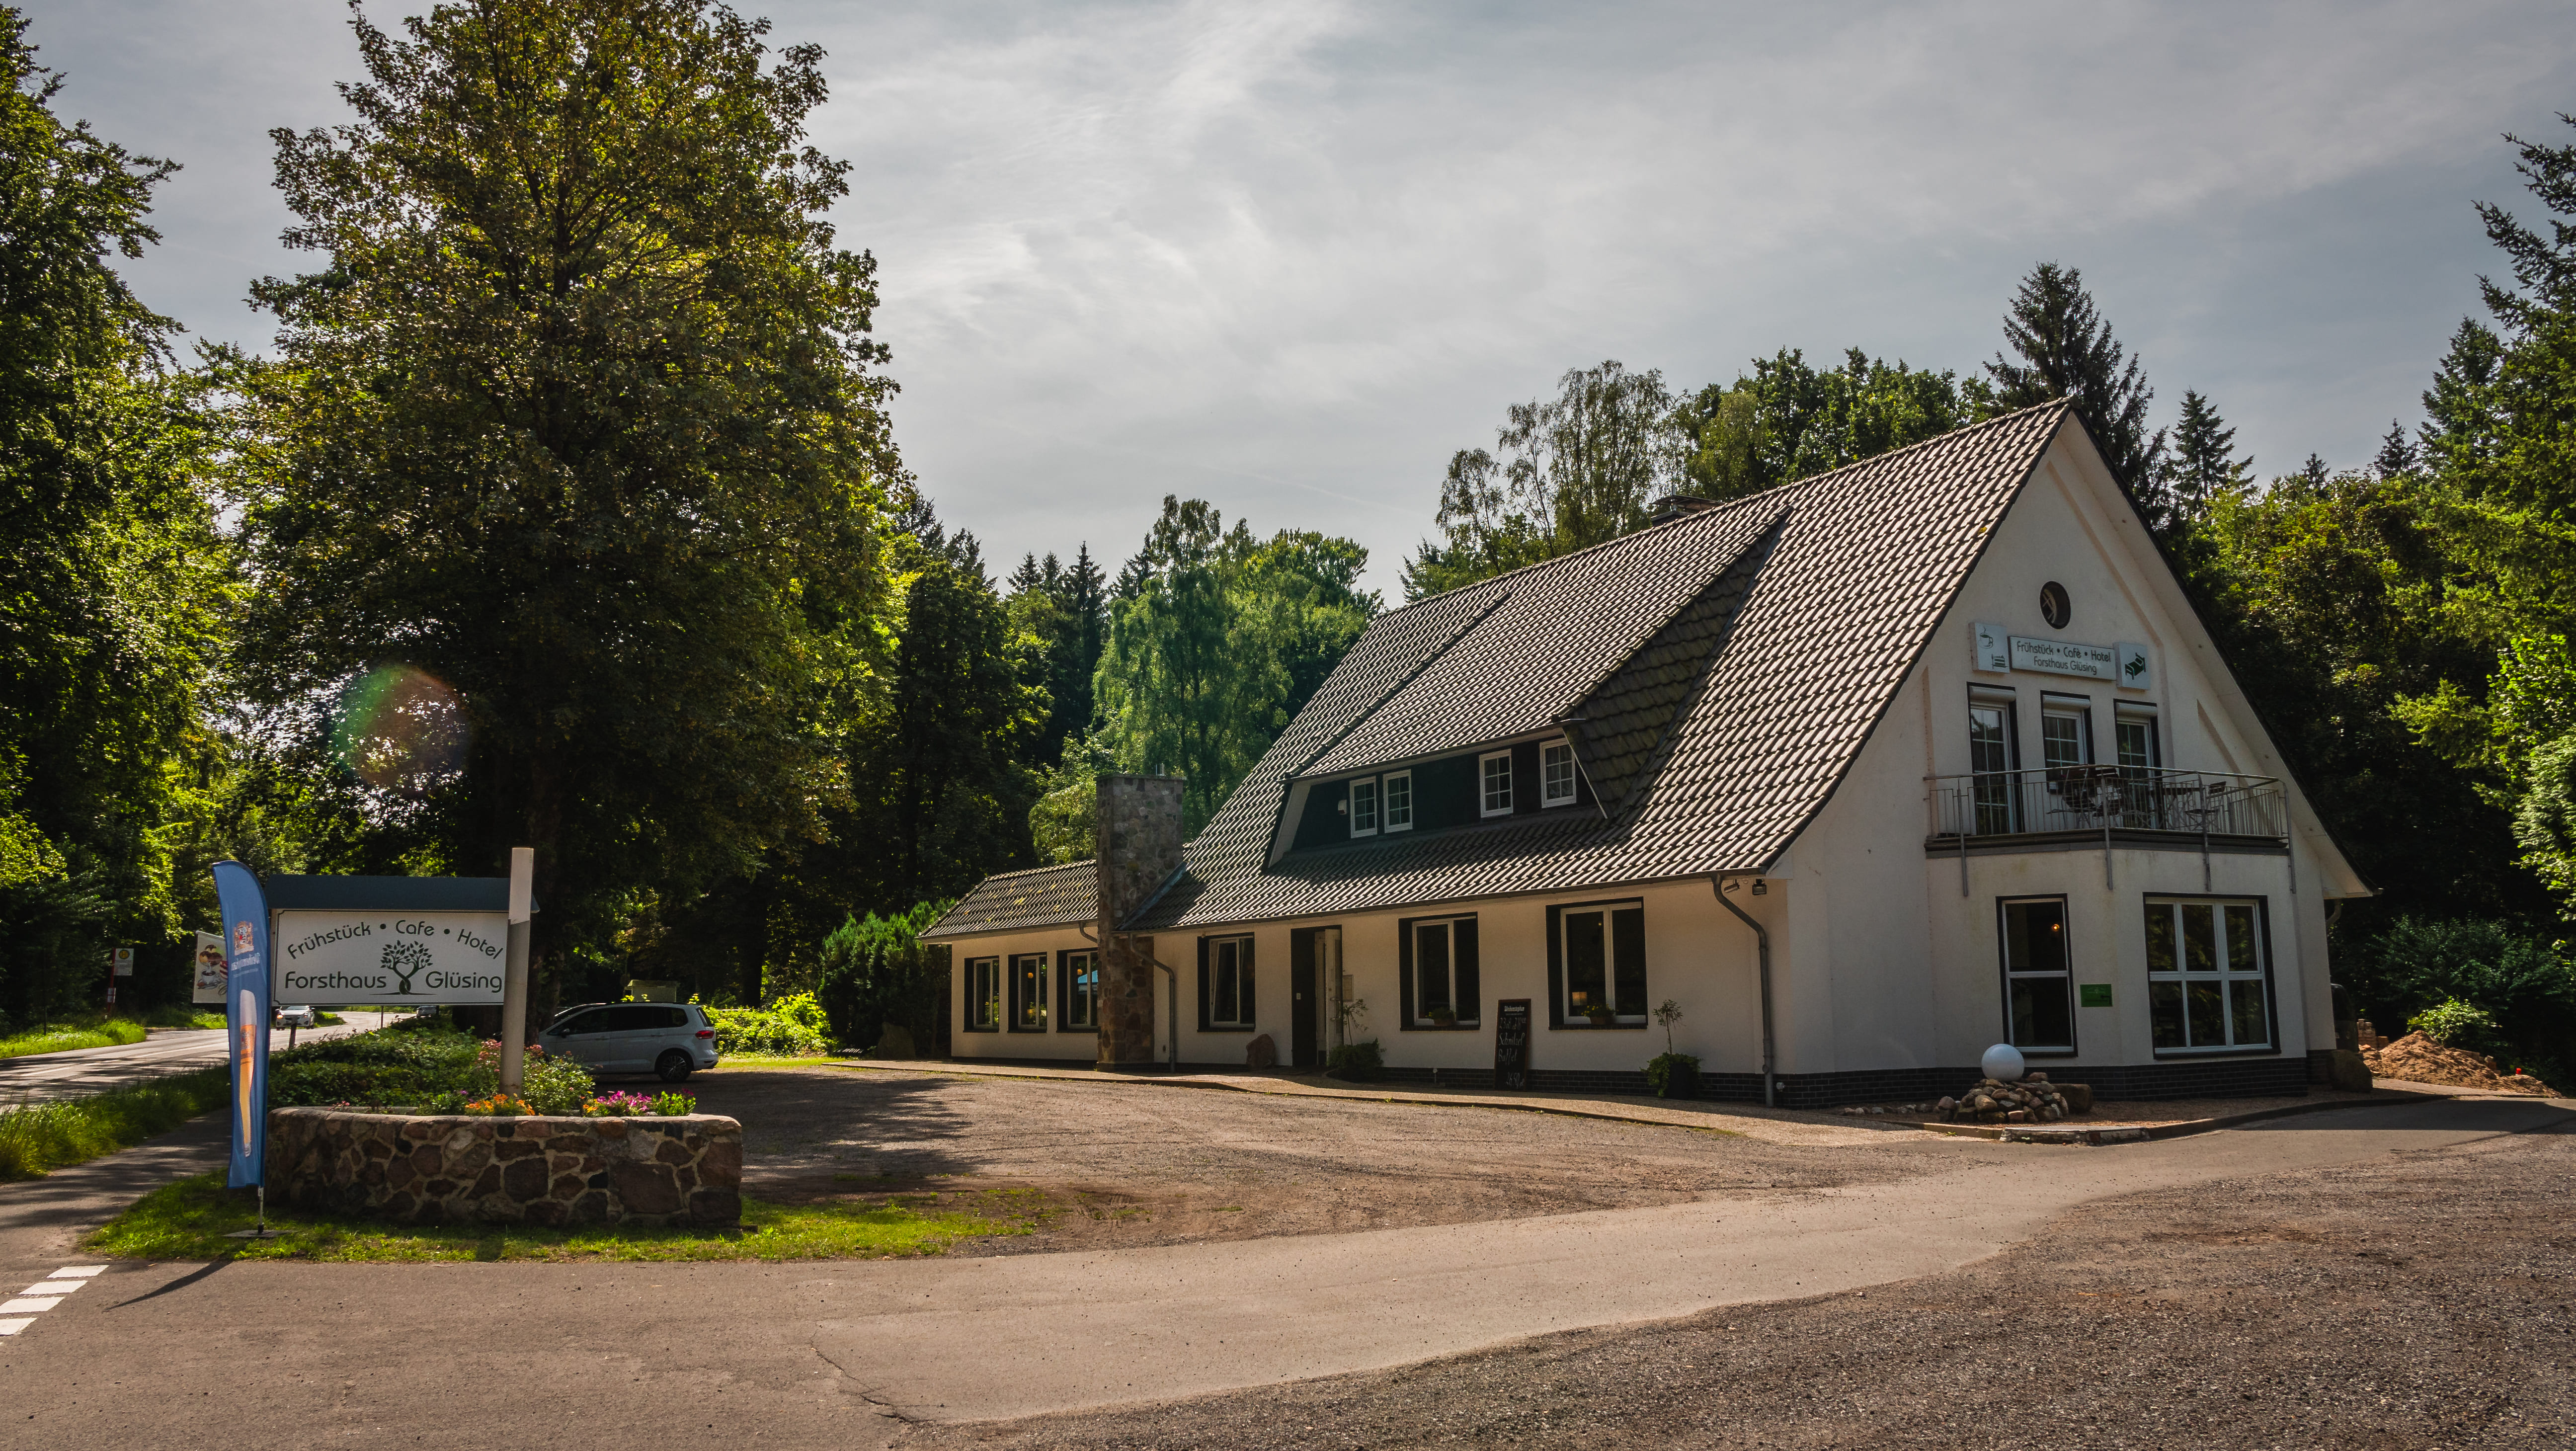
671	1040
292	1017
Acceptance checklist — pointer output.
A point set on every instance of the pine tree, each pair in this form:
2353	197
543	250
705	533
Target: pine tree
2066	350
1027	579
2202	466
2397	452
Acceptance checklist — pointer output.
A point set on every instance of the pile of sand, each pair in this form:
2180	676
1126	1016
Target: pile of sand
2418	1059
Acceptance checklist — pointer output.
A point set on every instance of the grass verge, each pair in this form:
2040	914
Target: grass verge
64	1037
189	1219
38	1137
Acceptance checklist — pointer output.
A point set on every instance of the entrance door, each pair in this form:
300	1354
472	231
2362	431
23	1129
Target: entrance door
1305	1003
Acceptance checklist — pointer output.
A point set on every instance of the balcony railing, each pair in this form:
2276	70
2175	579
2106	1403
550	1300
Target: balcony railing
2101	799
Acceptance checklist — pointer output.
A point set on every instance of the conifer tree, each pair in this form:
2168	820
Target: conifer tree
2397	452
2202	466
2063	349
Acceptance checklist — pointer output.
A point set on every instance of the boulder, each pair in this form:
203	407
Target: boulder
2346	1071
894	1042
1261	1052
2078	1096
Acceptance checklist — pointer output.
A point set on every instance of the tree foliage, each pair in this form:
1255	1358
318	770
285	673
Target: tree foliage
114	586
577	418
1224	639
2062	348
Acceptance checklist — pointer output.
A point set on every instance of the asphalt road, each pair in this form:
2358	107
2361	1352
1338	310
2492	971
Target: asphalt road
859	1353
40	1077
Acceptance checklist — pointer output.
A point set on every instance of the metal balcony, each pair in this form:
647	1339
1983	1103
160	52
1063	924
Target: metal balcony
2098	802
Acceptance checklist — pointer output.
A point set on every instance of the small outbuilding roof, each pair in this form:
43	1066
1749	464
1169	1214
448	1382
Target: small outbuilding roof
1717	675
1041	897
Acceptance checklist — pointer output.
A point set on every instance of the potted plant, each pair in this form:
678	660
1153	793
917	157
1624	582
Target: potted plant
1442	1016
1671	1074
1601	1014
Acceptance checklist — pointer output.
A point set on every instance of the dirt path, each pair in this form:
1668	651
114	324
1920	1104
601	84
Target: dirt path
2417	1301
1124	1165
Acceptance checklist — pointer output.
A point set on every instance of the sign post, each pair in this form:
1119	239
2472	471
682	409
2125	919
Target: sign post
245	915
514	981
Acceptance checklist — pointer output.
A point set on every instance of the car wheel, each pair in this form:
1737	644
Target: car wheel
673	1066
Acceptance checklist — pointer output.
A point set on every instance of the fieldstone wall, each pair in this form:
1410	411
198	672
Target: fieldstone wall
1138	826
438	1168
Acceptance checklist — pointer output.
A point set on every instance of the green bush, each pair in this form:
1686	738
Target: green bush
878	971
1359	1061
2522	982
2455	1024
1673	1075
380	1070
762	1030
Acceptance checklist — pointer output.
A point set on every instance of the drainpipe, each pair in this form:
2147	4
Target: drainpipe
1762	939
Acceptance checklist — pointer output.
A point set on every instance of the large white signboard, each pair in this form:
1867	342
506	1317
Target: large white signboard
336	956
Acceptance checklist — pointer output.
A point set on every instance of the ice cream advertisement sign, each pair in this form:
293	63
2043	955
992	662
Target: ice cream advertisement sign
341	956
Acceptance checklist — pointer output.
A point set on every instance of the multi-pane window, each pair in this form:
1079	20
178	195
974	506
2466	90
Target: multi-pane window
1081	989
2134	729
1398	791
1556	774
1028	992
984	993
1496	774
2038	1003
1990	756
1603	947
2205	980
1444	971
2065	732
1228	982
1364	807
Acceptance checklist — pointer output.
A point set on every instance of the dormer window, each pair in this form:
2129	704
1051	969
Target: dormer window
1556	774
1364	807
1398	791
1495	770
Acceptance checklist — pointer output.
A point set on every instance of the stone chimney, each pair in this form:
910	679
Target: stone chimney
1139	842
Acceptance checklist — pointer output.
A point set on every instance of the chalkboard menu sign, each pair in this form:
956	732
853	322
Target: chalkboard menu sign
1511	1044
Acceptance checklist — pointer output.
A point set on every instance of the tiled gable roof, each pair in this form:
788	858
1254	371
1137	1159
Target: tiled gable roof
1042	897
1864	563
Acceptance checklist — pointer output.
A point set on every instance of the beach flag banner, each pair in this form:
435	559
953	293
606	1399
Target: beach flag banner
245	912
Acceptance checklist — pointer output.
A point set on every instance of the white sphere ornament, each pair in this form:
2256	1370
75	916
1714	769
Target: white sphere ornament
2002	1063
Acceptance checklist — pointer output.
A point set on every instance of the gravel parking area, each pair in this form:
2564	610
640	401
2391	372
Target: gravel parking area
2425	1301
1099	1165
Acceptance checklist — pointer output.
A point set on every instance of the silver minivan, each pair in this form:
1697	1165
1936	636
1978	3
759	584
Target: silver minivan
671	1040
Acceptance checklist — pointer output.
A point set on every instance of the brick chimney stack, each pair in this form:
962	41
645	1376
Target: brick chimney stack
1139	826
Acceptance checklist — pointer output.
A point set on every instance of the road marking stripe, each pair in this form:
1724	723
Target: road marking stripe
12	1327
78	1272
53	1287
15	1306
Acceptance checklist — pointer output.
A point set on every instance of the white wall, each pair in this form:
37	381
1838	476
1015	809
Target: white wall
1055	1042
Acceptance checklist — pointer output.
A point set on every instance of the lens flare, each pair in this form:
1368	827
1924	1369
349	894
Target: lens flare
400	728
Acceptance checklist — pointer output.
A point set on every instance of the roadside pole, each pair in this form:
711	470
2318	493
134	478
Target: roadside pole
514	979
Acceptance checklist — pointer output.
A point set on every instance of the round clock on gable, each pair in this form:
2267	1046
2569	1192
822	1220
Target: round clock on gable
2053	605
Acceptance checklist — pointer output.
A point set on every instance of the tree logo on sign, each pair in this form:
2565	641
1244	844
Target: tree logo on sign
403	960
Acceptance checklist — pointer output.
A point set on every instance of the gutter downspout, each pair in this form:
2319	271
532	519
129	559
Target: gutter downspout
1762	940
1171	991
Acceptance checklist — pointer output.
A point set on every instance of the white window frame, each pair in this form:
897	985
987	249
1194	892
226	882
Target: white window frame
1081	971
2016	974
1241	946
2133	713
1386	798
984	994
1485	784
1623	1015
1033	1006
1551	755
1448	926
2077	708
2178	984
1365	789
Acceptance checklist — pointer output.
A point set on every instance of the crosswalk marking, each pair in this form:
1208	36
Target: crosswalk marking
12	1327
45	1294
53	1287
25	1303
78	1272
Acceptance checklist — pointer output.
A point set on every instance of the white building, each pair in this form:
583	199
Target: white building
1940	726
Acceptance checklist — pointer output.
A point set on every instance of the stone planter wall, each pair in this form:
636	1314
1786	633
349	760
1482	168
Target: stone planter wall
552	1171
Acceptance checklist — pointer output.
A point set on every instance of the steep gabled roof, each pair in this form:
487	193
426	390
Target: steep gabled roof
1041	897
1733	699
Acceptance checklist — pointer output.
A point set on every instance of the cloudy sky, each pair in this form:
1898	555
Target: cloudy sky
1288	256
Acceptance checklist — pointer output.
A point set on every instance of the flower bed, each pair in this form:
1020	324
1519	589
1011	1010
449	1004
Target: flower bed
435	1168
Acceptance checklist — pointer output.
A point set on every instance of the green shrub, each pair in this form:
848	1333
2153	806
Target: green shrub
672	1103
380	1070
877	971
760	1030
2524	983
2455	1024
557	1086
1673	1075
1360	1061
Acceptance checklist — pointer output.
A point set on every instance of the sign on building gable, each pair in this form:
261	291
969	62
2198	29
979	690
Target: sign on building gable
338	955
2001	652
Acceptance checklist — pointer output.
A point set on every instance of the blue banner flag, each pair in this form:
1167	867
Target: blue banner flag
245	910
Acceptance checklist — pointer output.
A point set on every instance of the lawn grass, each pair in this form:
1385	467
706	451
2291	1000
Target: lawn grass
64	1037
38	1137
189	1220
